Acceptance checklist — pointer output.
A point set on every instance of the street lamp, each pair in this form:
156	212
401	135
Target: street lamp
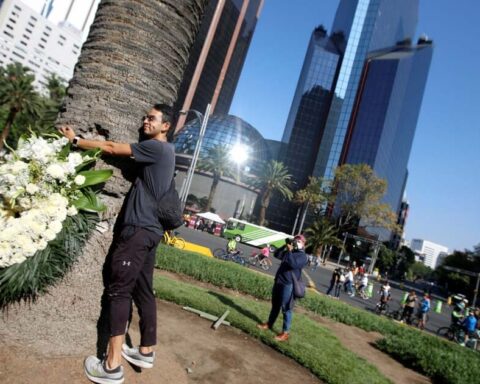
191	170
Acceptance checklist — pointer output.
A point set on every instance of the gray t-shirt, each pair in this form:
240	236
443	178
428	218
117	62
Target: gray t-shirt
155	163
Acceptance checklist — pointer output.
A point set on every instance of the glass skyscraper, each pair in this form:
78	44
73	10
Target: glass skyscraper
358	97
217	56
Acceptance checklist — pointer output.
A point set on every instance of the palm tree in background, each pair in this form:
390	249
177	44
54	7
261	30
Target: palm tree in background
56	88
273	177
322	233
134	56
17	95
313	195
217	161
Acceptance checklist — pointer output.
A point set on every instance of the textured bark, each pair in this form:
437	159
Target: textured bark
134	57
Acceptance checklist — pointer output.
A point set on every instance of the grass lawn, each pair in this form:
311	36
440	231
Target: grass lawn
310	344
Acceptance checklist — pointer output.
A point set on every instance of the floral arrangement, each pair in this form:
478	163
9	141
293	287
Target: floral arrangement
46	201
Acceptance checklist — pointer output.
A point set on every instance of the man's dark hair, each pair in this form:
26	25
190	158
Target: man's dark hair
167	113
168	116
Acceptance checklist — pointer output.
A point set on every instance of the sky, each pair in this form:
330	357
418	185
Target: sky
443	188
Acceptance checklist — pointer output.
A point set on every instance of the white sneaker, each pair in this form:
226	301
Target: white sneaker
133	355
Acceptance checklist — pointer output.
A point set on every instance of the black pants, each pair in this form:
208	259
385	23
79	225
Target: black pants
131	276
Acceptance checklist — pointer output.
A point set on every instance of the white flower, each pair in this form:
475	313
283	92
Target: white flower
72	211
49	235
31	188
79	180
55	226
56	171
41	244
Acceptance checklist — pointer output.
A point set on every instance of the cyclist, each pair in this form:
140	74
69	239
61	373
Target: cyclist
385	296
232	247
363	286
458	314
264	252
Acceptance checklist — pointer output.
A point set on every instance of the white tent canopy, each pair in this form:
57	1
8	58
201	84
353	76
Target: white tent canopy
211	216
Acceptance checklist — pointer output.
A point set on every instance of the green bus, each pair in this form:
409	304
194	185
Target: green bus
254	235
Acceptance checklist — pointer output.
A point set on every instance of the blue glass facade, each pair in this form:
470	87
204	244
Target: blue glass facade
227	131
371	85
389	102
368	25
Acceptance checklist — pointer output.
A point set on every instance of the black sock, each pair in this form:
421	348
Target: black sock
115	370
150	354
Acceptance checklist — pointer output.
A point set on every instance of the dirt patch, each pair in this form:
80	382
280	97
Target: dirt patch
185	342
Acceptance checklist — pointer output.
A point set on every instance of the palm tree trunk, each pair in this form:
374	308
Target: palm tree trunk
265	202
134	57
303	217
213	189
8	124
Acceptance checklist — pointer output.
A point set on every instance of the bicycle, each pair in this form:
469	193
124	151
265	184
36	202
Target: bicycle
173	240
221	253
448	332
264	262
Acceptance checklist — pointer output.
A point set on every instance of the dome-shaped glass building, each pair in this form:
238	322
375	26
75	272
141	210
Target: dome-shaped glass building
228	131
248	149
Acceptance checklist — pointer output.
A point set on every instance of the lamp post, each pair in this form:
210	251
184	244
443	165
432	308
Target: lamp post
191	170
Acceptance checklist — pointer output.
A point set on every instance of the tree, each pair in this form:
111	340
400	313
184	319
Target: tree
313	194
322	233
17	95
217	162
404	259
357	192
135	56
56	88
273	177
385	258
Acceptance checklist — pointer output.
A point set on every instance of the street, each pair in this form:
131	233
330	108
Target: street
321	278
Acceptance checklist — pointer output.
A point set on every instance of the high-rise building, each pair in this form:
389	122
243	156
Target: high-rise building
217	56
429	253
29	38
358	98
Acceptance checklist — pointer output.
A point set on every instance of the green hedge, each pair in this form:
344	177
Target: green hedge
311	345
439	359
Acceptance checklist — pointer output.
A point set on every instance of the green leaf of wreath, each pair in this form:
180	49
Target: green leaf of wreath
92	155
95	177
89	202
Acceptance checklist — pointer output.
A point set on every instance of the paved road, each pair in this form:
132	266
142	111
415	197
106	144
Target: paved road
321	278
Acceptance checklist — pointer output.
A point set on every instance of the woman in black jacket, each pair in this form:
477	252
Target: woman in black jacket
293	259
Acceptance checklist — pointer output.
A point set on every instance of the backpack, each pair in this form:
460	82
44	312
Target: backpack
169	208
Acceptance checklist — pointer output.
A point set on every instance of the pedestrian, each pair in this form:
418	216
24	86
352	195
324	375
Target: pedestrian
293	259
409	307
339	283
333	280
130	272
348	285
423	311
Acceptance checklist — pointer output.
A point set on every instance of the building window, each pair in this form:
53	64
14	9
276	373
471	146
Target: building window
48	28
23	42
9	27
60	43
8	34
26	37
31	24
33	18
28	30
41	46
17	7
43	39
62	37
17	54
12	20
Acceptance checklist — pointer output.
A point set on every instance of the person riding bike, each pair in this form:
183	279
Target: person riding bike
385	296
458	314
264	252
232	247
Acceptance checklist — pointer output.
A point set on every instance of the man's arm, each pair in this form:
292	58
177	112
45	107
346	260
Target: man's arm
108	147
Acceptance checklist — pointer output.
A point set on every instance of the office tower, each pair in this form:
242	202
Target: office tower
358	98
29	38
429	253
217	56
